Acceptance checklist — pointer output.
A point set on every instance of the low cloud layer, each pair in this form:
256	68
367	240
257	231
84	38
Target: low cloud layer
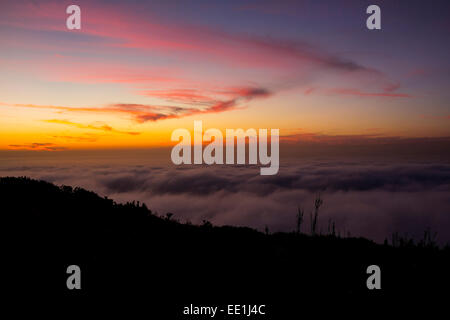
371	199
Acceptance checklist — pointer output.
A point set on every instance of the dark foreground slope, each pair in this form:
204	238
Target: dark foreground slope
125	252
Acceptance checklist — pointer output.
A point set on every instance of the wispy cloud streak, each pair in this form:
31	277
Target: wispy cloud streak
38	146
144	112
102	127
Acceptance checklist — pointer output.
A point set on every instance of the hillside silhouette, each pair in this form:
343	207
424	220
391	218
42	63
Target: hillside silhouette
124	250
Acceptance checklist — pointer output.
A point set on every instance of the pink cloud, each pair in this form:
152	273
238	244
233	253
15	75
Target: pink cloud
125	29
388	92
121	28
357	92
143	112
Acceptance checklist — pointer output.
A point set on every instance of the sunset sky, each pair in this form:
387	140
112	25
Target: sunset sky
136	71
364	115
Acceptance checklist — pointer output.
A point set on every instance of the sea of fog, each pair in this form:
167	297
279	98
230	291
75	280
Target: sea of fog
365	197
